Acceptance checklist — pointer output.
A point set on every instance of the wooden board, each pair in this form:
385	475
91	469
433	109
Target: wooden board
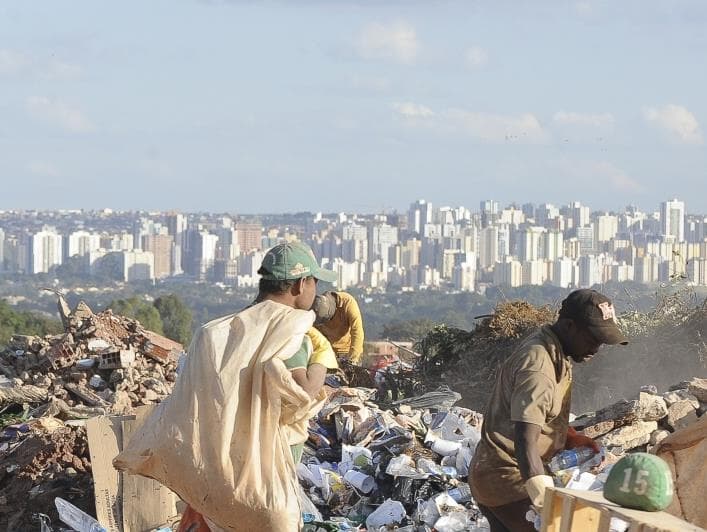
125	503
147	504
576	510
104	434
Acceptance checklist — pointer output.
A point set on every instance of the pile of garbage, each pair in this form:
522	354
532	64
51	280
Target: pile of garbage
102	364
404	466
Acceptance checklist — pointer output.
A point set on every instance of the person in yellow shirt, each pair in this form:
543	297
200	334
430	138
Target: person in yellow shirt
339	320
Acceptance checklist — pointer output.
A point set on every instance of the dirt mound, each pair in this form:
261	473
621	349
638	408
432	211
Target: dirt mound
48	463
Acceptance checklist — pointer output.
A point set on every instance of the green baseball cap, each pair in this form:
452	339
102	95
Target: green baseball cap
293	260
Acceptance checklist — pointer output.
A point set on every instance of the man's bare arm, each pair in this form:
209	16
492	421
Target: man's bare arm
310	379
526	445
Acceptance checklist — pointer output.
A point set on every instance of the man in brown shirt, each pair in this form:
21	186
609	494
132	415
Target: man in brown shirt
527	418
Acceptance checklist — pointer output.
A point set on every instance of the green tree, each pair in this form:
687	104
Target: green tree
410	330
24	322
177	319
138	309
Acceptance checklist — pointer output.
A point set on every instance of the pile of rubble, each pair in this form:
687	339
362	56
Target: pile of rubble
101	365
643	422
405	466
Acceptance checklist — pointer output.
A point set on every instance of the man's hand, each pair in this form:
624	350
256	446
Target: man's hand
575	439
536	486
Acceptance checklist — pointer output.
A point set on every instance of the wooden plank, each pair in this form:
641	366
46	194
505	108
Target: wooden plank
604	521
552	511
104	433
660	520
567	513
147	504
585	518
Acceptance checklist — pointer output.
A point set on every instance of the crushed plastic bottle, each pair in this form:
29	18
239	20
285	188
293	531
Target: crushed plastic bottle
76	518
461	493
570	458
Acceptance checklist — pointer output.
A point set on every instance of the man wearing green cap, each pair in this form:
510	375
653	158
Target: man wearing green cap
527	418
229	437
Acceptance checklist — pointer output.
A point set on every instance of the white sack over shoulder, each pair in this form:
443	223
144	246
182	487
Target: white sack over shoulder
222	441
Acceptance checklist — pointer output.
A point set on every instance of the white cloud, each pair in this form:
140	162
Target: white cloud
498	128
15	63
395	42
12	62
43	169
476	57
61	70
523	128
583	119
677	120
413	110
58	113
617	178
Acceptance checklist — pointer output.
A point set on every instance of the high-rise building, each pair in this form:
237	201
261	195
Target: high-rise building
590	271
508	273
138	265
578	213
672	219
488	247
489	211
585	235
177	227
81	243
45	250
162	248
119	242
530	246
564	272
419	214
553	245
464	275
534	272
250	236
606	226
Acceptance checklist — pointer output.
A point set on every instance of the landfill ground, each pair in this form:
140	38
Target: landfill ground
387	448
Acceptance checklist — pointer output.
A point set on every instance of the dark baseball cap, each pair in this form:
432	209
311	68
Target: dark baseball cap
596	312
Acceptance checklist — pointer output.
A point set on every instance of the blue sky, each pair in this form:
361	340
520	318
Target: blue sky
245	106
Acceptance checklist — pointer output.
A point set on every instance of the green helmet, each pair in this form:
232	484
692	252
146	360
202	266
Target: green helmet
641	481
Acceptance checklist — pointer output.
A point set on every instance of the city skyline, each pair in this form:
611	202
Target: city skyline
426	247
233	106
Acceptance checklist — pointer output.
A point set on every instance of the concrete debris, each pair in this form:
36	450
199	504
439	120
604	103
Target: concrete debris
102	364
680	395
629	436
681	414
698	388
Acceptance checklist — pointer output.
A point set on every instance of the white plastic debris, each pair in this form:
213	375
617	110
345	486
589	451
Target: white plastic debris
389	513
453	522
360	481
354	456
403	466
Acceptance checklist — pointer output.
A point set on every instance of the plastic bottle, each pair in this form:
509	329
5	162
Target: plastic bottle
461	493
76	518
570	458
